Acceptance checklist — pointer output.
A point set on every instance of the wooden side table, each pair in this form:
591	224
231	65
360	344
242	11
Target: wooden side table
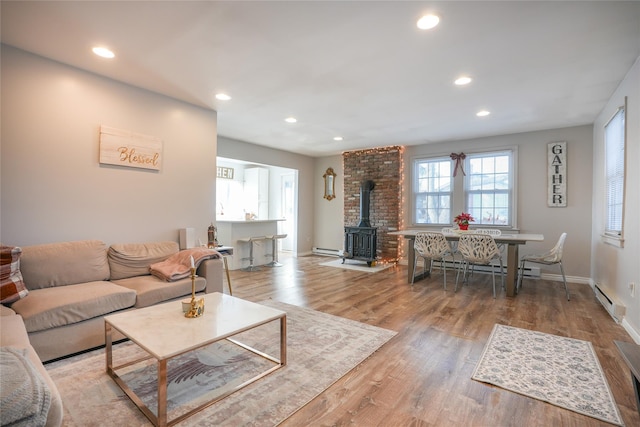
631	354
226	251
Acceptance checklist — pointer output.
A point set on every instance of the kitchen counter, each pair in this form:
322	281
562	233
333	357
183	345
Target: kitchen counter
230	231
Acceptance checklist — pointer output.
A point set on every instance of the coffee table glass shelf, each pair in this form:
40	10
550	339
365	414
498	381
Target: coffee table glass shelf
163	332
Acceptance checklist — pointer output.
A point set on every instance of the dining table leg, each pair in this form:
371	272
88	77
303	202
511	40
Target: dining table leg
512	269
411	257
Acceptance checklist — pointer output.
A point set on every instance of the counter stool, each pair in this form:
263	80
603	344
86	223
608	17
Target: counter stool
274	249
251	241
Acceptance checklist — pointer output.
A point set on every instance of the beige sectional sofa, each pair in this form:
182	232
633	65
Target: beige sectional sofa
72	285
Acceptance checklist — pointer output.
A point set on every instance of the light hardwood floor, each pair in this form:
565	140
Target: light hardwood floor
422	377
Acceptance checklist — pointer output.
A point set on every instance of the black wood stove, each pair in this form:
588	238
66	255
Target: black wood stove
361	242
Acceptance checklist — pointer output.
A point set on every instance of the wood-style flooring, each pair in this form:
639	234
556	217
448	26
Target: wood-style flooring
422	377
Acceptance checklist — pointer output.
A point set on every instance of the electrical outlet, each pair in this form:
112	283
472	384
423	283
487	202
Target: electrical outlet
632	289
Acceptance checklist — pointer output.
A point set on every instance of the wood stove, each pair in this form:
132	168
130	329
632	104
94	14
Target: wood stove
361	242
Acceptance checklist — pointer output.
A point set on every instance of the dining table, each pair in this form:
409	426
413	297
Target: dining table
513	242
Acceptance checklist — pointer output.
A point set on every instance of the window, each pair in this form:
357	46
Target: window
488	188
486	191
614	141
432	191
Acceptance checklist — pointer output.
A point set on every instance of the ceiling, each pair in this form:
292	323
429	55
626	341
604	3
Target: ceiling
357	69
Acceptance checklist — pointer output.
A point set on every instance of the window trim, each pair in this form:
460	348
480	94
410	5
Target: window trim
512	153
458	193
414	187
613	237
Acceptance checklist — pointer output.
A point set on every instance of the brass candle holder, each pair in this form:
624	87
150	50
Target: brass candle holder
196	308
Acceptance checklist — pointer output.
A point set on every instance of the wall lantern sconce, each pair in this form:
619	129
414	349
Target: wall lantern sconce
329	184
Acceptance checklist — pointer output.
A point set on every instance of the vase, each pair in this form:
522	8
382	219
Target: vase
463	226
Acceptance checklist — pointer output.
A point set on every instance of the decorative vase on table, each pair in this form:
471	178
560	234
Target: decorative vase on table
463	226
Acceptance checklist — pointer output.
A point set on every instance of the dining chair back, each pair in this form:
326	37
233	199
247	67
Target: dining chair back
479	249
431	245
551	257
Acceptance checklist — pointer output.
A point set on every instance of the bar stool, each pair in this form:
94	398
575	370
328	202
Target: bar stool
274	249
251	241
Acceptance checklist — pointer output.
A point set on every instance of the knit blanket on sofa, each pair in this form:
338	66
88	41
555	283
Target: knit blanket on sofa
25	397
178	266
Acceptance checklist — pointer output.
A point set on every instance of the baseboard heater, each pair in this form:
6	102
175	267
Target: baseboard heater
613	307
327	252
529	272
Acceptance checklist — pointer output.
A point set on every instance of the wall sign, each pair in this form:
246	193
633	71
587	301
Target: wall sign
130	149
224	173
557	174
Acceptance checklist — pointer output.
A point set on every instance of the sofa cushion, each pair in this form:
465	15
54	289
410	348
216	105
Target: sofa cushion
66	263
12	287
52	307
26	397
152	290
133	259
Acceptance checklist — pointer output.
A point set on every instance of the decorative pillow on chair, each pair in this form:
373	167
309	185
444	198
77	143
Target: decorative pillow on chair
12	287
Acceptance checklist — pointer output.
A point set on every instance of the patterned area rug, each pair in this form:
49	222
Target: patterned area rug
321	348
357	265
562	371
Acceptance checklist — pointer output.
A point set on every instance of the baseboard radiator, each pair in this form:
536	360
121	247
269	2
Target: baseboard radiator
611	304
327	252
529	272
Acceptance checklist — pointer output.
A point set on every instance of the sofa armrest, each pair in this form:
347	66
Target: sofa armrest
212	271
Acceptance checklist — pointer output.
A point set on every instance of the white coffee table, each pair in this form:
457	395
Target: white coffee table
163	332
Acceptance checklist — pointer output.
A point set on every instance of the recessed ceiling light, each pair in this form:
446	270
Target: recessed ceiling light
103	52
337	138
482	113
290	120
427	22
464	80
223	96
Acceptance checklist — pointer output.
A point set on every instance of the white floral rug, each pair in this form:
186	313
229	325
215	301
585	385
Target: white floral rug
562	371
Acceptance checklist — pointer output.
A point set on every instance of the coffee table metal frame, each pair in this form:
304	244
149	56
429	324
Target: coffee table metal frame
173	309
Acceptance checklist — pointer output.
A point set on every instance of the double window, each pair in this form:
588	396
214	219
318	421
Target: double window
484	187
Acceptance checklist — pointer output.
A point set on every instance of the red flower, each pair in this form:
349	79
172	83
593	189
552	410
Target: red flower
463	218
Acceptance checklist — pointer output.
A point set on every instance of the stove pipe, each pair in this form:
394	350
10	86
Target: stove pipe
365	190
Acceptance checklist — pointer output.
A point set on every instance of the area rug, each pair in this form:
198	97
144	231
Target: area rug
357	265
562	371
321	348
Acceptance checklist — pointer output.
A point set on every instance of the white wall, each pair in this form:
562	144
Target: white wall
329	225
53	187
240	150
611	266
533	214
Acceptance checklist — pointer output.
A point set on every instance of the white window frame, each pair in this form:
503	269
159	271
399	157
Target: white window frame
416	193
615	148
459	193
509	191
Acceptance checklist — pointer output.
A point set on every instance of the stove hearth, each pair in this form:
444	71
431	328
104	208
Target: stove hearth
360	242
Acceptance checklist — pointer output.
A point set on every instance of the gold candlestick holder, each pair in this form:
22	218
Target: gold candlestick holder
196	308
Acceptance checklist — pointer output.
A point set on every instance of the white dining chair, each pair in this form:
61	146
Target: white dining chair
495	232
479	249
551	257
432	246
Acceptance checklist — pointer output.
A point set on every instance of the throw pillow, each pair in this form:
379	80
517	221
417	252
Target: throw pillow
12	287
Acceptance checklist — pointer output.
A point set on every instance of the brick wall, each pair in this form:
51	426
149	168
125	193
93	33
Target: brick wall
384	167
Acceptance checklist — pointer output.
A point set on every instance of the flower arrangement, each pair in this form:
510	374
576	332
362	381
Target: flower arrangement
463	220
